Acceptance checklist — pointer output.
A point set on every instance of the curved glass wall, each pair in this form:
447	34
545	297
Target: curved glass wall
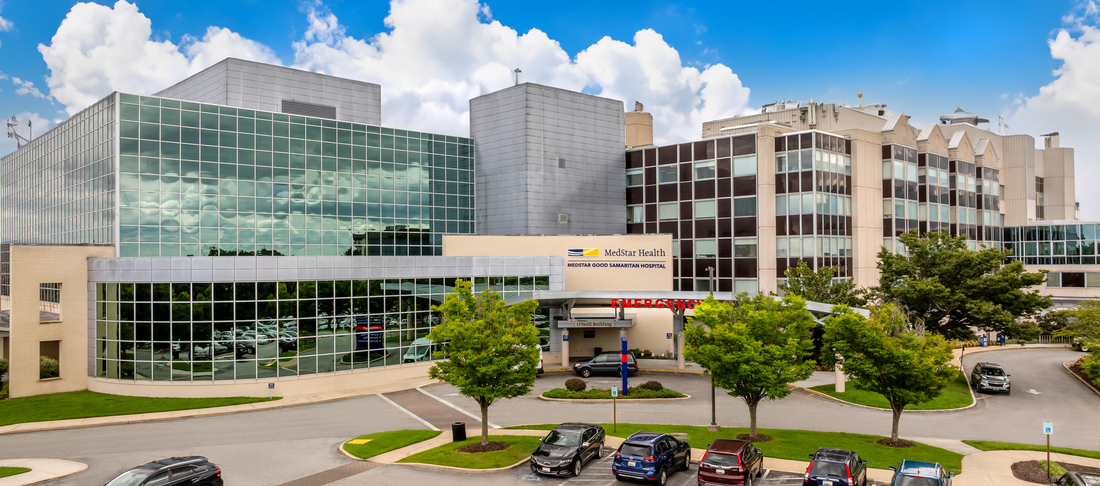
249	330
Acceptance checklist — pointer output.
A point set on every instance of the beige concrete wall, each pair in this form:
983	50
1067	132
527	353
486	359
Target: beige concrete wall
1060	196
1018	158
30	267
580	277
639	129
765	210
866	205
368	381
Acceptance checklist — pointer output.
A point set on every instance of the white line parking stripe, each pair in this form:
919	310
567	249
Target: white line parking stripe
456	407
399	407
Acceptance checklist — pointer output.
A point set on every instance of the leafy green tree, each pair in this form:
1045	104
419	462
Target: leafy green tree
752	348
950	288
885	355
1022	332
818	286
48	368
1083	324
3	368
491	350
1053	321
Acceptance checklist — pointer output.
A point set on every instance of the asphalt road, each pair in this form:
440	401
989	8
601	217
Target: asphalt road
276	446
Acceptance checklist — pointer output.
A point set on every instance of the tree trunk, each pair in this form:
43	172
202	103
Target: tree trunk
752	417
485	422
897	409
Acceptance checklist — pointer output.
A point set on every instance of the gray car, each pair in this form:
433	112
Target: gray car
990	377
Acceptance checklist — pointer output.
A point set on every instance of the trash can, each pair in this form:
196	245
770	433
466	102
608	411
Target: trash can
458	431
598	350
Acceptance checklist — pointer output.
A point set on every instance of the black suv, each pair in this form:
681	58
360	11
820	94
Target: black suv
1077	479
174	471
990	377
606	364
832	466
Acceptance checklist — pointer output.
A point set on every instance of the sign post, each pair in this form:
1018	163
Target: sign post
614	409
270	387
1048	430
625	371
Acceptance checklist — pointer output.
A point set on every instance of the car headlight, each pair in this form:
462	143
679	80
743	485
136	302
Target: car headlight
985	382
564	462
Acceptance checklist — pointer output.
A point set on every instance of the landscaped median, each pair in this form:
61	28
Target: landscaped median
955	395
577	389
370	445
518	450
989	445
795	444
86	404
12	471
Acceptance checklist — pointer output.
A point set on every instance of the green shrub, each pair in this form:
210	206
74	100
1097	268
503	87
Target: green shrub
1055	468
652	385
48	368
599	393
1090	366
3	368
575	384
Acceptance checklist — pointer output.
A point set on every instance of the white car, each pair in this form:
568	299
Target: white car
420	350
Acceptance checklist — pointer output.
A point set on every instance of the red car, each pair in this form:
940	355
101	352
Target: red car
730	462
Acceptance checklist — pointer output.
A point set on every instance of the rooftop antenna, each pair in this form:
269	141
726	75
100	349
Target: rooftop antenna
517	76
12	133
860	94
1001	125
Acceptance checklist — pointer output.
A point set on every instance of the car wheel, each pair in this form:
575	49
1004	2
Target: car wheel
586	372
748	480
577	467
1008	392
599	452
663	477
687	461
760	470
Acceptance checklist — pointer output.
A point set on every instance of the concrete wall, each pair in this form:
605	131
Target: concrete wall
30	267
259	86
544	151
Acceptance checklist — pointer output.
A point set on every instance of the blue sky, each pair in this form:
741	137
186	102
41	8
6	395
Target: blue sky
922	58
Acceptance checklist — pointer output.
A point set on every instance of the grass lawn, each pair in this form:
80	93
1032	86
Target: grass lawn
381	442
797	444
12	471
446	455
601	394
955	395
84	404
989	445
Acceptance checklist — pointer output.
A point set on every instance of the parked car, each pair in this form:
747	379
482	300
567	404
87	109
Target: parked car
245	348
990	377
729	461
650	456
175	471
565	449
1081	344
605	364
1073	478
420	350
832	466
919	473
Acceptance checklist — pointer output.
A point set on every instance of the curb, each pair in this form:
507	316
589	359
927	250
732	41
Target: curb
346	453
1082	380
973	402
460	469
55	478
605	400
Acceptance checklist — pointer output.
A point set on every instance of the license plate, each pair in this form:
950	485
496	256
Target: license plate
826	483
545	469
631	463
719	471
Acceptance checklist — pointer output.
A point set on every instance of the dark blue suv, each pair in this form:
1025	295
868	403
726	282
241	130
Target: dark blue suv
919	473
650	456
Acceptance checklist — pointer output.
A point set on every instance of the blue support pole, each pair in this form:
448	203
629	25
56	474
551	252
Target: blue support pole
625	372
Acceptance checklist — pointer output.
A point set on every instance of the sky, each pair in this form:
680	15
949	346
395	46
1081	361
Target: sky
1037	64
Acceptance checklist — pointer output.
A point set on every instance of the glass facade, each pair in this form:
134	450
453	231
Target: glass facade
813	202
704	194
1054	244
60	188
192	331
198	179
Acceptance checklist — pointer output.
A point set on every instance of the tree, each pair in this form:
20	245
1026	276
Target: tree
491	349
885	355
1022	332
1082	324
951	288
752	348
818	286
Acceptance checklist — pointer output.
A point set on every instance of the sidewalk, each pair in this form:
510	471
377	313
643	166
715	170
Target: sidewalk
993	468
41	471
291	401
960	352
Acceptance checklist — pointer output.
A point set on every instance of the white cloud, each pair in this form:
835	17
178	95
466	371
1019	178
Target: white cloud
1067	104
438	54
100	49
5	24
27	87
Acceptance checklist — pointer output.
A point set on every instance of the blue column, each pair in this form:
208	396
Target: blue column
625	372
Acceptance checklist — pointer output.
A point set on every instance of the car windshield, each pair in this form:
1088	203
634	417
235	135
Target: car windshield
131	478
634	450
720	459
826	468
567	439
993	372
915	481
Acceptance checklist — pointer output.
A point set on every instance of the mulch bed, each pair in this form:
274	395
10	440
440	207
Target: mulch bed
754	438
899	443
479	447
1032	472
1075	368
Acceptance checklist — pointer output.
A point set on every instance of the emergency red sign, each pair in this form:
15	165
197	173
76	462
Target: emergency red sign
654	303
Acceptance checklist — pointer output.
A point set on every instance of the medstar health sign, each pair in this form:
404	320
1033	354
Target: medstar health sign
613	258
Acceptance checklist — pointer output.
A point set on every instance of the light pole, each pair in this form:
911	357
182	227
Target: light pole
713	427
